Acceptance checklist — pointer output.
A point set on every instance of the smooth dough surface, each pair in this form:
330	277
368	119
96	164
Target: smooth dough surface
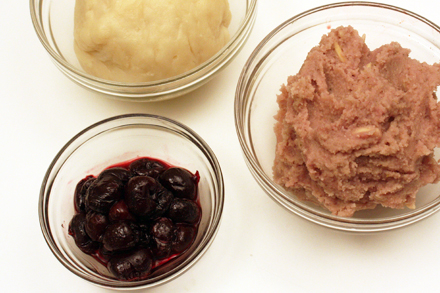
146	40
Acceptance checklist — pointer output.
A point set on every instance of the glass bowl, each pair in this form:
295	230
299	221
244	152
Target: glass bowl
117	140
280	55
53	22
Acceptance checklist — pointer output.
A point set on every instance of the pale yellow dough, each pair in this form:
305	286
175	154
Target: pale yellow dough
146	40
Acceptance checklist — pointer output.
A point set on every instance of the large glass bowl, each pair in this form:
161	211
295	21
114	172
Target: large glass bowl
280	55
53	22
117	140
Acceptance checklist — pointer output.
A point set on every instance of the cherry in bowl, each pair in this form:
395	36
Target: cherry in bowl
108	143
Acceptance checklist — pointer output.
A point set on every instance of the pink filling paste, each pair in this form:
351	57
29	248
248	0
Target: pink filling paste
357	128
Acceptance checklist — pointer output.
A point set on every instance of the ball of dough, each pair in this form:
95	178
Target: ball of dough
147	40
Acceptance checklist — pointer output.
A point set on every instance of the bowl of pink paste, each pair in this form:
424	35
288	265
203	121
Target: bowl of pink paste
337	115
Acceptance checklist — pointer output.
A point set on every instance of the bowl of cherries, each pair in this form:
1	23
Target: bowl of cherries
132	201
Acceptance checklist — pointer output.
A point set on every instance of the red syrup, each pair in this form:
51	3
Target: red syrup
142	213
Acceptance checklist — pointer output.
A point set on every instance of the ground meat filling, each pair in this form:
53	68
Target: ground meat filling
357	128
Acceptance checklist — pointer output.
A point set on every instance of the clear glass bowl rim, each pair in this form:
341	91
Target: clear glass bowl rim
276	192
207	240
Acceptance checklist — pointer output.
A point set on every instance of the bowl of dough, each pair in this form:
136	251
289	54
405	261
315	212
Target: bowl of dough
142	50
337	115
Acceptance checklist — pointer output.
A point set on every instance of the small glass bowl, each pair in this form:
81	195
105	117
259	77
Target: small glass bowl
280	55
113	141
53	23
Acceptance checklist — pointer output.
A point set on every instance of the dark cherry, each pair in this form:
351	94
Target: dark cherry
119	211
163	198
160	249
162	229
118	173
131	266
147	167
120	236
144	235
138	195
80	193
103	193
161	232
180	182
105	252
96	224
184	236
103	255
77	228
184	210
146	198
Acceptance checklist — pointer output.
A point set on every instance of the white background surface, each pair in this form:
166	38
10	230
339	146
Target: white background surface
260	246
